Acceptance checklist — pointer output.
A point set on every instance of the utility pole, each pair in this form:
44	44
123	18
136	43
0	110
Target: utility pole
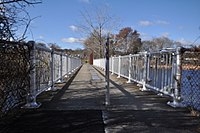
107	71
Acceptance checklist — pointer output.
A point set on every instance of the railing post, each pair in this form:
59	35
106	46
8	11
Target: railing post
144	80
172	72
66	74
31	96
112	58
72	64
52	69
61	67
133	68
119	67
177	95
137	69
129	69
148	67
69	65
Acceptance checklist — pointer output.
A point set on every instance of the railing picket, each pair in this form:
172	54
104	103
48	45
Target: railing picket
162	71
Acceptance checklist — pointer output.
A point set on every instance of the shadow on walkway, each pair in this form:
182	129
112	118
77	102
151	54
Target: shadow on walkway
79	107
150	121
58	122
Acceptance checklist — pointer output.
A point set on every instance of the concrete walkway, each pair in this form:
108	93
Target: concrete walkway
86	92
132	110
79	107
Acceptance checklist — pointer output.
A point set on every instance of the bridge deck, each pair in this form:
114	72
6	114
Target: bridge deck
79	107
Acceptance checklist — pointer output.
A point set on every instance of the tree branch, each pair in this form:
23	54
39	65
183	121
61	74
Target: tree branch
15	1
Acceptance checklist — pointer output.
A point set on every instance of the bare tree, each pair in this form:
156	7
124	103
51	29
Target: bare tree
159	43
93	45
13	16
96	24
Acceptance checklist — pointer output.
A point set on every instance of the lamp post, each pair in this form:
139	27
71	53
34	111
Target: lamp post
107	71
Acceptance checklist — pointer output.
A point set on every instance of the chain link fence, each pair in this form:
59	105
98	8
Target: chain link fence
190	80
14	74
27	69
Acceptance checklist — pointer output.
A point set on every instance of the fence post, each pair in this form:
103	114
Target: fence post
144	80
112	58
52	69
172	73
129	70
61	67
176	94
147	67
73	65
69	65
119	67
31	96
66	74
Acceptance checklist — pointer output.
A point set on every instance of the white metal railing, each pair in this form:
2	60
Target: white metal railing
47	68
158	71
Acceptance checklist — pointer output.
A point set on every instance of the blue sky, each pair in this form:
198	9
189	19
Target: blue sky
177	19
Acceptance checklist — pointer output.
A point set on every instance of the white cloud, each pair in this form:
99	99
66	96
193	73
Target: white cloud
145	23
165	34
73	40
41	37
184	41
85	1
144	36
162	22
149	23
73	28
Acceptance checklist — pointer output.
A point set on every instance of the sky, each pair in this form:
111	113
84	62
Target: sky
56	20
